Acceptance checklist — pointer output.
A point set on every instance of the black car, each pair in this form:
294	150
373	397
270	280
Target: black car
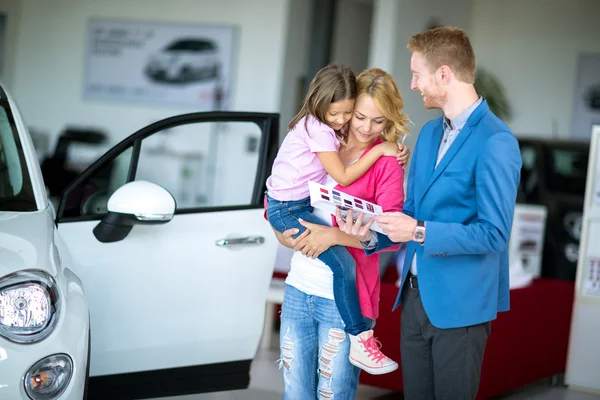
554	175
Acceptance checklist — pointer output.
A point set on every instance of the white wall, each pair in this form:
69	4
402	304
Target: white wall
415	16
12	10
295	68
382	47
351	33
395	21
50	58
533	47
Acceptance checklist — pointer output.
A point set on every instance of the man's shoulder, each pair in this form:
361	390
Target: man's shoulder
492	124
496	137
491	129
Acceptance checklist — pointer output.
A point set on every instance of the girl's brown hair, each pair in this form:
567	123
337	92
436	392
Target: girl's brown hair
382	88
335	82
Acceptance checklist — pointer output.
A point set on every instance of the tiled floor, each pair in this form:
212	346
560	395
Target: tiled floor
267	384
544	392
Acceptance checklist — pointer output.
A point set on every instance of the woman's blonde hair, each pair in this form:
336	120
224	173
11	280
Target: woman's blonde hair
332	83
382	88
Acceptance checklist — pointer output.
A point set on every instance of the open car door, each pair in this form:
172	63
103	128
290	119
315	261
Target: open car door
176	301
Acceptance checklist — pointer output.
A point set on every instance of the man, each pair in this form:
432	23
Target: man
457	219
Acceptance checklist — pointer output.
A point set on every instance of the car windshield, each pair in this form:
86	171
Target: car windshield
189	45
16	191
567	169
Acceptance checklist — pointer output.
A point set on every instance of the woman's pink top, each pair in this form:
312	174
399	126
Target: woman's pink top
382	184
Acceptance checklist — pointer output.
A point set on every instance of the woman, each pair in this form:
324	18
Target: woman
314	346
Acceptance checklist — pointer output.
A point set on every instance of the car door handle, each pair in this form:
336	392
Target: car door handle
238	241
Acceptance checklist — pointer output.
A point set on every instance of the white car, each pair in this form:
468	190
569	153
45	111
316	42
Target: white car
184	61
172	297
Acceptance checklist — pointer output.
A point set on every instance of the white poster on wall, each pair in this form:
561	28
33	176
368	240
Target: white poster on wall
2	41
591	265
161	63
596	187
591	283
526	243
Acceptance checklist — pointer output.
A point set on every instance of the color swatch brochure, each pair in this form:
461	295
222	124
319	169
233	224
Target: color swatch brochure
328	199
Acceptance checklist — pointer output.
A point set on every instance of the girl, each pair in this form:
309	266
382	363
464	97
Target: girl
310	153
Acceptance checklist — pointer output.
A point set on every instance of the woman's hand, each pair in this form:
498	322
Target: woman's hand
403	154
354	229
319	240
286	238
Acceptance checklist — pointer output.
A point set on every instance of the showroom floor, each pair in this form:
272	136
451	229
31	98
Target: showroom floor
267	384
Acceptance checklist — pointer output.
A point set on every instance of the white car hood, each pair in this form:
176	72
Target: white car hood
27	242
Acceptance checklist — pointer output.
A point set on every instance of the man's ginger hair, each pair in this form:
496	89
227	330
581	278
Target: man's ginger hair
446	46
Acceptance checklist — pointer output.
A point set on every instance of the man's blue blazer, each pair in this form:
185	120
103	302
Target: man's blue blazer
467	203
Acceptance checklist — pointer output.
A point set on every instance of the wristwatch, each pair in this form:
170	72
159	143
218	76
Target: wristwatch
419	233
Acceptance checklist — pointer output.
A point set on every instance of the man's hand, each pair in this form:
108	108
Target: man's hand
355	229
398	226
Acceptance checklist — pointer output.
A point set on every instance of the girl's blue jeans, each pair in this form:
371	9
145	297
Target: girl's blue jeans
283	215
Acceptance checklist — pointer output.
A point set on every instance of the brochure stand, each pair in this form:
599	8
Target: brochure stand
583	362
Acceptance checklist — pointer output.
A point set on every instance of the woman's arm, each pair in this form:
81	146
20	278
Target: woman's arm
389	194
322	238
315	239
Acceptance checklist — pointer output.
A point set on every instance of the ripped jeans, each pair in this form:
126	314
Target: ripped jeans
314	349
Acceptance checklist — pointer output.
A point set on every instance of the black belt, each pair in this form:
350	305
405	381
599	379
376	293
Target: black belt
412	281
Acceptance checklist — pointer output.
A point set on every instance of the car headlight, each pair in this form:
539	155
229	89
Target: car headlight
48	378
28	306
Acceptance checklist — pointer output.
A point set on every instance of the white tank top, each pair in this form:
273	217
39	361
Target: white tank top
313	276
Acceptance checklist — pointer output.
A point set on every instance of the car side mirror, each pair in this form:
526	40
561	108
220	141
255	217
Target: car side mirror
137	202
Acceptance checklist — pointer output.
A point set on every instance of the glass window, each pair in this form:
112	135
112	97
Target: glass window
185	45
528	191
91	196
203	165
16	191
529	156
567	170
